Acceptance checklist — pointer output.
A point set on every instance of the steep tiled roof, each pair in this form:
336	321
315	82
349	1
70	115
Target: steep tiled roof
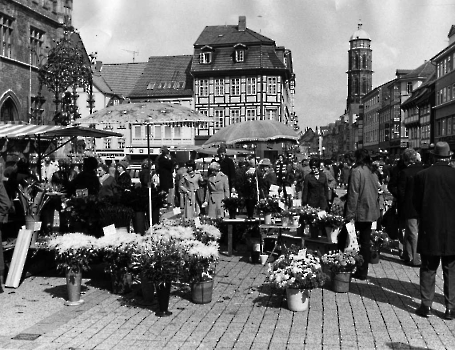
256	57
229	34
101	84
423	71
422	93
165	76
122	77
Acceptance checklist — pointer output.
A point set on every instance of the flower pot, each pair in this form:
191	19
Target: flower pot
163	293
121	282
139	222
332	234
249	205
201	292
263	258
268	218
73	285
285	221
232	213
375	256
296	220
297	299
315	232
341	282
148	288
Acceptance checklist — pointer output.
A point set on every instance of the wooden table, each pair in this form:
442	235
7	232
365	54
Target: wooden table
232	222
320	243
280	237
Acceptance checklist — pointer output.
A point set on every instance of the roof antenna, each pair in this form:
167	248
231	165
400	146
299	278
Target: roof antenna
133	52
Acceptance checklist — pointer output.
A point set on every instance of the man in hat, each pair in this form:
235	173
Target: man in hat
434	201
227	166
165	172
267	177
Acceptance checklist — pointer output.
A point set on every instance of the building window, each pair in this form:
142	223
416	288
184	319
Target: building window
36	43
251	86
235	116
409	87
121	142
250	114
219	119
107	143
240	55
6	31
167	132
157	133
137	132
205	58
177	132
271	85
203	87
271	114
235	86
219	87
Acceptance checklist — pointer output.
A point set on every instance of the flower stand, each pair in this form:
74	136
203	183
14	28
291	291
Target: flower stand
341	282
121	282
297	299
201	292
163	293
73	285
375	256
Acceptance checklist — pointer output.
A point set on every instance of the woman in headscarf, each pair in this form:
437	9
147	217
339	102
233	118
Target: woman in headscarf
217	190
107	182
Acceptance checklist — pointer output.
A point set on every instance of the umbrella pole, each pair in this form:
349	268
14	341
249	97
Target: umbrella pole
40	176
150	175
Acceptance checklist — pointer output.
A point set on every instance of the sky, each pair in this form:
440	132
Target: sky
404	33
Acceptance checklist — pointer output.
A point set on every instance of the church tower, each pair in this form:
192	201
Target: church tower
360	71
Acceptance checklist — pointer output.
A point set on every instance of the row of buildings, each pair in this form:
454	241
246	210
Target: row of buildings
415	109
234	74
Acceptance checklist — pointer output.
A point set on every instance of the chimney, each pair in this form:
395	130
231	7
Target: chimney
242	23
98	66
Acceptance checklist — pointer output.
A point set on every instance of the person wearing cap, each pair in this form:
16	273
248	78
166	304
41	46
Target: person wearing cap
86	179
165	168
217	190
266	178
434	201
189	184
123	178
227	166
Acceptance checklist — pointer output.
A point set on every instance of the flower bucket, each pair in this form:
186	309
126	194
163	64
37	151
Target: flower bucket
375	257
121	282
263	258
341	282
268	218
148	289
73	285
285	221
332	234
163	293
232	213
297	299
139	222
315	232
296	220
201	292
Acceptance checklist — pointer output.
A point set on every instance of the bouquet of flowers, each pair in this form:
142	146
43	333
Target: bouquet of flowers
268	205
117	250
33	198
232	203
379	239
297	269
73	251
200	260
331	220
309	214
85	212
346	261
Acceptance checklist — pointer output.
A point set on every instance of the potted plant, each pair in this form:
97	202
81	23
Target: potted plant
268	206
118	214
73	254
116	251
309	216
297	271
342	265
286	216
199	268
378	240
231	204
85	214
332	224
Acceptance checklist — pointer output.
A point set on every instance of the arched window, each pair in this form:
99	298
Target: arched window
365	61
364	85
8	112
355	86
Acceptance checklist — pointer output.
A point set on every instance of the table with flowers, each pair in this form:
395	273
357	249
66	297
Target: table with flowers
230	226
275	232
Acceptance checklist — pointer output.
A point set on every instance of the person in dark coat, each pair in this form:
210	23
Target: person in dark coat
227	166
434	201
107	182
165	172
315	188
362	205
145	174
123	179
86	179
405	207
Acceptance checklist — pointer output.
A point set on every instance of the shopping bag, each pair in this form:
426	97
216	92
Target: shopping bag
351	242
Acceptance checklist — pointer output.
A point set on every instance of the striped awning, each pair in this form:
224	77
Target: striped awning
22	130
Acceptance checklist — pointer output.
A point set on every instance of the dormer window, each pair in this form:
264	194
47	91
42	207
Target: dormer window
239	52
205	57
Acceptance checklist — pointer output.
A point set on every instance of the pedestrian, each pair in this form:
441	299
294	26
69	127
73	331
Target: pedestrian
316	188
227	166
87	179
124	178
406	210
282	169
189	184
296	177
266	177
217	190
165	168
362	205
107	182
145	174
434	201
5	204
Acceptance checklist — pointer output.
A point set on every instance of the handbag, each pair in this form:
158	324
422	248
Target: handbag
390	222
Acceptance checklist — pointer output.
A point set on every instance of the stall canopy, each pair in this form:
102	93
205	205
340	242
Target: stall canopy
50	131
22	130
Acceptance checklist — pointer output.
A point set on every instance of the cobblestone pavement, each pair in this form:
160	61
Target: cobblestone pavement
375	314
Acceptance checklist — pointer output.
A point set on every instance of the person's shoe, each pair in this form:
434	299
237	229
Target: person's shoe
449	314
358	276
423	311
411	264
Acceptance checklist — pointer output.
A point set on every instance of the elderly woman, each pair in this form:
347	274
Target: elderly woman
217	190
188	186
107	181
315	188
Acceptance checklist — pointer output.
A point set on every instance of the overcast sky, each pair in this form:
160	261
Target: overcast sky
404	34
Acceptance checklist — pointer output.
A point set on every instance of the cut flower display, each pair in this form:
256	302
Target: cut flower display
268	205
379	239
297	269
346	261
117	251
